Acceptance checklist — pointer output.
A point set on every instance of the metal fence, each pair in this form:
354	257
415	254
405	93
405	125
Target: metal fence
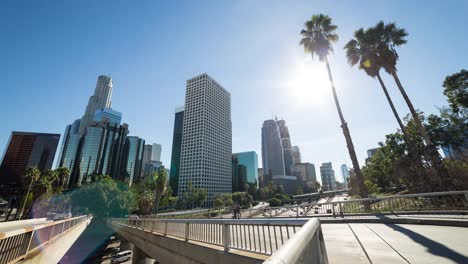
15	244
263	236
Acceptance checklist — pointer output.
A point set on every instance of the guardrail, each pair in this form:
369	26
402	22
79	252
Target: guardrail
15	244
263	236
306	246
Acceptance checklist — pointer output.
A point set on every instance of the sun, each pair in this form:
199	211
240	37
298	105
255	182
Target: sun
308	85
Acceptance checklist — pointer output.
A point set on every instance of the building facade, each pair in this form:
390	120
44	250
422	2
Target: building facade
345	175
100	99
286	145
249	159
296	151
206	138
134	158
272	150
176	150
24	150
328	177
156	152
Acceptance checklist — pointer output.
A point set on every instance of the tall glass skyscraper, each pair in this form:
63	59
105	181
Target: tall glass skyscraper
328	177
107	113
176	150
134	152
249	159
345	174
100	99
272	150
286	144
206	138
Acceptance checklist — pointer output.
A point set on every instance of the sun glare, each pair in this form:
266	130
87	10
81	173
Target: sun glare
308	85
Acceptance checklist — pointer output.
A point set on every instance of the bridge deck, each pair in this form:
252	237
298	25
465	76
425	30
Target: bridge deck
393	243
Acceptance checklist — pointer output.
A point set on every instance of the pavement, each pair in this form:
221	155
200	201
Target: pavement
395	243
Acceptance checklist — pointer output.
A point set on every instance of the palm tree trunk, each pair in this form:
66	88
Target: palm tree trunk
412	150
347	135
431	150
156	202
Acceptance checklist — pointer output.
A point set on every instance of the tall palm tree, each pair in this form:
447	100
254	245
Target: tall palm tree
390	37
32	175
363	51
317	39
160	187
62	173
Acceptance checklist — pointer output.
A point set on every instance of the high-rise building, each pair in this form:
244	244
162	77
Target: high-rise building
70	130
109	115
310	171
156	152
239	175
147	152
134	158
24	150
328	177
249	159
261	180
345	175
286	144
176	150
100	99
272	150
305	173
296	151
206	138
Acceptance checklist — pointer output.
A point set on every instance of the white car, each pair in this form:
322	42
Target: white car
122	256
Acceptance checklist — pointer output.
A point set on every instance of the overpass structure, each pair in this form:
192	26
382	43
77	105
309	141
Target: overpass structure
39	240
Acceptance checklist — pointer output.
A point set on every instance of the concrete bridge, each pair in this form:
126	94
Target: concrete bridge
39	240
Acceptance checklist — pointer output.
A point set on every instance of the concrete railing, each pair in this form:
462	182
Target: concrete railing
262	236
18	241
306	246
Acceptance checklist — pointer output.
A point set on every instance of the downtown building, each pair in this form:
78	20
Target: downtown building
206	148
98	144
345	175
24	150
151	160
328	177
176	150
305	173
244	170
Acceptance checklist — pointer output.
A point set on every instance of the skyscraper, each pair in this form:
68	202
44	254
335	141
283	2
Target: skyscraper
286	144
345	175
176	150
107	113
134	158
296	151
206	138
249	159
156	152
328	177
24	150
100	99
147	152
70	130
272	150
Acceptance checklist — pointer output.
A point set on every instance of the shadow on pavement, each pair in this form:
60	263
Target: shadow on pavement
432	246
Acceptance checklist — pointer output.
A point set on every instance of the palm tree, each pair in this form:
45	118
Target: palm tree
363	50
160	187
317	39
390	37
32	174
62	173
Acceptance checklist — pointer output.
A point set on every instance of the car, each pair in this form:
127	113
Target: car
122	256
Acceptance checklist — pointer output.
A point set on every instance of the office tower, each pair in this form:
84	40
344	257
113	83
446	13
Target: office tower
100	99
288	183
311	175
345	175
296	151
70	130
305	173
328	177
249	159
206	138
147	152
286	144
176	149
239	175
97	153
134	158
24	150
272	150
156	153
107	113
299	170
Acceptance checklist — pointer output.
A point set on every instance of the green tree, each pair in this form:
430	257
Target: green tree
63	173
317	39
32	175
159	187
456	90
199	196
389	36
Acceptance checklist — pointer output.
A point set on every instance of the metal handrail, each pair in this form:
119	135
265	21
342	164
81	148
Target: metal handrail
17	243
263	236
306	246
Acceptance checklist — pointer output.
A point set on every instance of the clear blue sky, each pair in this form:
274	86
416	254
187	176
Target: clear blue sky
51	53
